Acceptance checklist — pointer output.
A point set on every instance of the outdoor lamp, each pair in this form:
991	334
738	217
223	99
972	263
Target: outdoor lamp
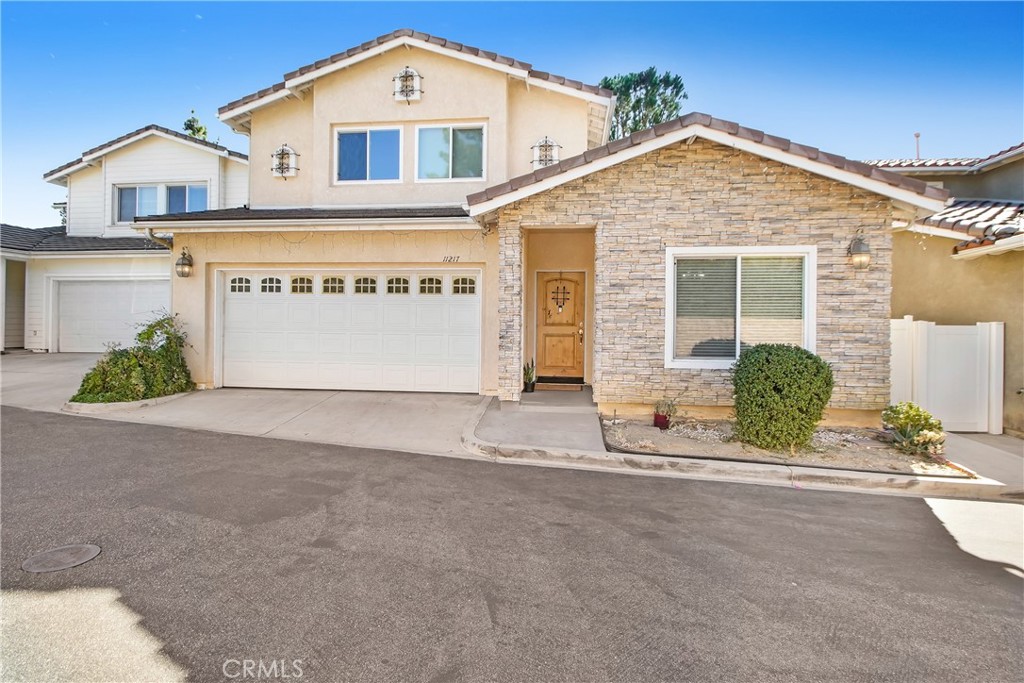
183	266
860	253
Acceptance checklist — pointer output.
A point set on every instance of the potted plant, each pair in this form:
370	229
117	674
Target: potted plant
529	376
664	411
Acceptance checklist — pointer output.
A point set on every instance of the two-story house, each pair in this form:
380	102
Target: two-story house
428	216
89	284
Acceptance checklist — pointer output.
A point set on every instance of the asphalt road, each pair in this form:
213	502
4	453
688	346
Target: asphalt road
371	565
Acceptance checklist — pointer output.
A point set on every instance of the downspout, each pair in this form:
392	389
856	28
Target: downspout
159	240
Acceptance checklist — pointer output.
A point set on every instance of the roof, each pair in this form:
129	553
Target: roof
718	130
56	240
986	221
955	164
145	131
309	214
405	36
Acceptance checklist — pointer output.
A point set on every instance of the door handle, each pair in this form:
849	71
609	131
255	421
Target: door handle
581	333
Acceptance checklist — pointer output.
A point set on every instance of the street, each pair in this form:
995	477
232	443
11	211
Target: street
371	565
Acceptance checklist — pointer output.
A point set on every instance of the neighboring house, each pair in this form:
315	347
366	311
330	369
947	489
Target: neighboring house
428	216
82	288
972	253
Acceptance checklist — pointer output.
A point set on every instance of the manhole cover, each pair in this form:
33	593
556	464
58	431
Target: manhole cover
64	557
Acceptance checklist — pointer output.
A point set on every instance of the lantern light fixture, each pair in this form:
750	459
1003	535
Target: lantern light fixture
285	160
545	152
407	85
183	266
859	253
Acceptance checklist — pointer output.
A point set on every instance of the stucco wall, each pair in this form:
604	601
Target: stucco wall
708	195
454	91
930	285
195	298
1004	182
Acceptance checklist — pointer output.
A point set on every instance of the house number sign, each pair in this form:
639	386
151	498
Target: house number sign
450	259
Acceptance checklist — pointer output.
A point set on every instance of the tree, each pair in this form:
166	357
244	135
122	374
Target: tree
643	99
193	127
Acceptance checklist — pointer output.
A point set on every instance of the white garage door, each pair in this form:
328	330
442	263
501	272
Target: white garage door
389	331
94	313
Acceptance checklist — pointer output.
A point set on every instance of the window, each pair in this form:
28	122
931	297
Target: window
366	285
270	285
398	285
369	155
334	285
136	201
240	284
464	285
721	301
450	152
430	285
302	285
186	198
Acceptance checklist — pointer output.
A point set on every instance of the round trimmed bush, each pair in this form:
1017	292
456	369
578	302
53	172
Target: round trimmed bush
781	394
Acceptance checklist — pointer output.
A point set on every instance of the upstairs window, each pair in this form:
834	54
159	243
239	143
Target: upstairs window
369	155
186	198
450	152
136	201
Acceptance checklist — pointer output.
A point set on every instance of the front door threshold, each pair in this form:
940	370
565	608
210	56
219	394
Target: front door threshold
560	384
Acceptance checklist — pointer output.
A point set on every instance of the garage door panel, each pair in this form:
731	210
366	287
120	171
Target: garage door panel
92	314
342	340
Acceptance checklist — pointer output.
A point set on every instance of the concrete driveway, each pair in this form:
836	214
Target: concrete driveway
421	423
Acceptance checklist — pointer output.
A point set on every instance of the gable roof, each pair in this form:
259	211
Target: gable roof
957	165
908	190
300	77
59	175
56	240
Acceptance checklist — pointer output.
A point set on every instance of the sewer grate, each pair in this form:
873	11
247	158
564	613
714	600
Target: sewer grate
64	557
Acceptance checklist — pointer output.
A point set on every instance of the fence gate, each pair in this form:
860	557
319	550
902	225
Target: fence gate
955	372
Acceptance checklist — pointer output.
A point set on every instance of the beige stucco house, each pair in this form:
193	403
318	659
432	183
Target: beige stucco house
89	283
965	264
428	216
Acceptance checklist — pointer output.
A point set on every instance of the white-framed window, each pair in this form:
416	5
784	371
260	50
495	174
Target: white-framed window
398	285
334	285
270	285
431	285
368	155
721	300
240	285
366	285
186	198
455	152
302	285
464	285
136	200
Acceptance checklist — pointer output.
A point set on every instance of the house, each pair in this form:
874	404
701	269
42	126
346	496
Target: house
972	252
428	216
82	287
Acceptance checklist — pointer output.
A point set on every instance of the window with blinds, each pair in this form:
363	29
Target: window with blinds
728	303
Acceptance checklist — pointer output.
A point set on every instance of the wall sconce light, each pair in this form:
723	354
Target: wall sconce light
859	253
183	266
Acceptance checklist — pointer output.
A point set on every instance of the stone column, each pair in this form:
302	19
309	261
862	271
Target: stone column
510	310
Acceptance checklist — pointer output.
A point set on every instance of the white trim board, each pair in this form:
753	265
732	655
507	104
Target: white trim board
722	138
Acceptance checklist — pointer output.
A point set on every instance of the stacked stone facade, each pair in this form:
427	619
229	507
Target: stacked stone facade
706	195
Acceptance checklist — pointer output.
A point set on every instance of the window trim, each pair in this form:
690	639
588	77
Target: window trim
337	130
672	254
482	125
161	197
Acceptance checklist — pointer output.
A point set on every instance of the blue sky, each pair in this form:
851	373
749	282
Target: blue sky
857	79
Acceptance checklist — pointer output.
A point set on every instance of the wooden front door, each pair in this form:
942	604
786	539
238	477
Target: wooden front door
561	329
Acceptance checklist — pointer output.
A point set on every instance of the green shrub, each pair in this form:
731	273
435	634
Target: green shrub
154	367
914	430
781	394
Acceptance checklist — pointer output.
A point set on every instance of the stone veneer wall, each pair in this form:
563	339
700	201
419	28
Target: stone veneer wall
706	194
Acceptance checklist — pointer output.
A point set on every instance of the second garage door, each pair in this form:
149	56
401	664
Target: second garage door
93	314
390	331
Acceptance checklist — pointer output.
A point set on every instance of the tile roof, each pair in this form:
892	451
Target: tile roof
734	129
951	164
56	240
246	214
986	221
145	129
426	38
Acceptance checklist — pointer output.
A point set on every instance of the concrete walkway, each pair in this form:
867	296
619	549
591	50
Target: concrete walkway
999	457
545	419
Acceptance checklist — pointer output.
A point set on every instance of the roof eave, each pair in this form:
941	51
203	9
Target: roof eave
1014	243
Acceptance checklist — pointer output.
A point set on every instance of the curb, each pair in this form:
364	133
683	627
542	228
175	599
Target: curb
768	474
104	408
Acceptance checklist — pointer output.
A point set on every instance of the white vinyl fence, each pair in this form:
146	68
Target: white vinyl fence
953	371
